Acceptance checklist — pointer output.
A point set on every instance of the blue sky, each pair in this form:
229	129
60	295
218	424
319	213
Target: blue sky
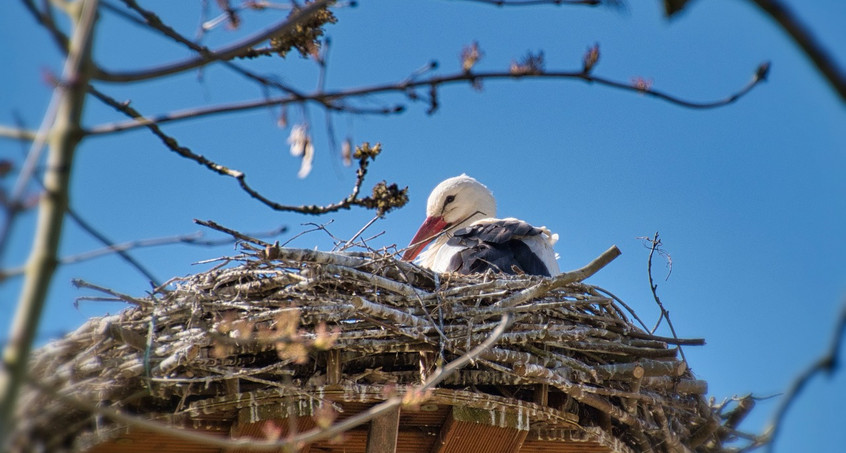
750	199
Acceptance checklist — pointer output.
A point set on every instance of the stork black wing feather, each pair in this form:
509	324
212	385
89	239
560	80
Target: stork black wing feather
498	232
496	246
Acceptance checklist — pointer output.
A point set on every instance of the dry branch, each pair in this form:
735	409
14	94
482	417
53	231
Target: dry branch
224	330
408	86
828	363
64	137
228	52
383	199
542	2
804	38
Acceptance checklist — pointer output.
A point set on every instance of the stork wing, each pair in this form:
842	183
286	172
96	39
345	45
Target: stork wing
499	245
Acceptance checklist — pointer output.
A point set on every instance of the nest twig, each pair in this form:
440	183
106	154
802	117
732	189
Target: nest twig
306	319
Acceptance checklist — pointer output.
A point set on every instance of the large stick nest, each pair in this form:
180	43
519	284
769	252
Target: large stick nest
276	323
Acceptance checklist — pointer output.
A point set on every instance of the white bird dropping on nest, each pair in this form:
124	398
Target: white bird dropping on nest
468	238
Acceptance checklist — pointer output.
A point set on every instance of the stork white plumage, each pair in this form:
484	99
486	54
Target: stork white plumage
468	238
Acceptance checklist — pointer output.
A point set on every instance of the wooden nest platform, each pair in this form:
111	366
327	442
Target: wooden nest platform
282	341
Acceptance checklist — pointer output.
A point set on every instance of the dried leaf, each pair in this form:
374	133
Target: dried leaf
346	152
591	58
470	55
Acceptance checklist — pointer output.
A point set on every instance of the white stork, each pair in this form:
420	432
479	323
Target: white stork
468	238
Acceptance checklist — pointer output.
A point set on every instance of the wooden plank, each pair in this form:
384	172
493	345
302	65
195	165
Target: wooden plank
267	420
469	429
383	433
445	436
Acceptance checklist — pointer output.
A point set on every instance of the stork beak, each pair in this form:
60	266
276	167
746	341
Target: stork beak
427	232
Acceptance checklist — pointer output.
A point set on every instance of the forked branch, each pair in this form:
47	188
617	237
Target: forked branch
407	87
226	53
383	198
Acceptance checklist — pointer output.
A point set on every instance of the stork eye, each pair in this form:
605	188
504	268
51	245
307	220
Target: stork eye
449	199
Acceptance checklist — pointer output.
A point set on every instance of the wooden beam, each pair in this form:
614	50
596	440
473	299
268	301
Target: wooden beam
427	364
542	394
333	367
383	433
469	429
233	386
445	436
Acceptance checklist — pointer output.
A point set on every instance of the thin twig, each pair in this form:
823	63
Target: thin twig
407	86
565	278
316	227
347	203
231	232
541	2
124	297
15	207
359	233
828	363
227	52
151	20
33	157
17	133
413	396
656	242
45	19
625	305
111	247
121	249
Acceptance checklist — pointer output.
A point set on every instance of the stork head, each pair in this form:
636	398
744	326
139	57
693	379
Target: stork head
455	203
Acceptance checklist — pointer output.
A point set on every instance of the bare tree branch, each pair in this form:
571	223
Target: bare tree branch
152	21
235	234
542	2
828	363
385	197
196	239
656	243
625	305
124	297
560	280
110	247
802	36
42	261
407	86
16	133
45	19
33	156
13	207
224	53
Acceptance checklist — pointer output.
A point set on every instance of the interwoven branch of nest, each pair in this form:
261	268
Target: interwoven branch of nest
272	322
